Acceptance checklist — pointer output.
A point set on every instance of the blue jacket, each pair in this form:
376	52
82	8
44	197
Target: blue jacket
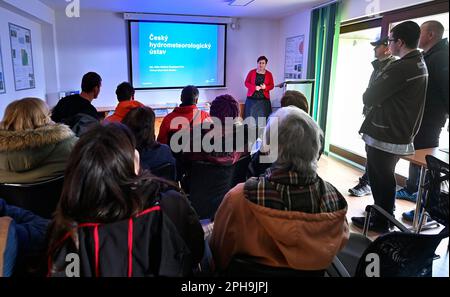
160	154
21	233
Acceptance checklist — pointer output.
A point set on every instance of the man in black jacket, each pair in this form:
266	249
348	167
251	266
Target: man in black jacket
384	58
396	101
435	52
75	109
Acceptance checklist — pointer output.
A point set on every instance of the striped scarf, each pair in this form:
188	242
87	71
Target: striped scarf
290	191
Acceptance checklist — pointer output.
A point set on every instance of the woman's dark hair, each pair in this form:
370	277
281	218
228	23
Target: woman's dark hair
262	58
141	122
100	177
100	182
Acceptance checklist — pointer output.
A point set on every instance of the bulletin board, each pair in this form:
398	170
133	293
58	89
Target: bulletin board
293	65
2	73
22	57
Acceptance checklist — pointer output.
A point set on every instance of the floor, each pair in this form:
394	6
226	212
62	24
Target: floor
344	177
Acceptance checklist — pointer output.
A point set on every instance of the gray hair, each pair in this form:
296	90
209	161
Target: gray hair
298	140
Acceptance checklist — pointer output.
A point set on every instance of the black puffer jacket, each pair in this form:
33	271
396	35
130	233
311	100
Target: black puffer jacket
436	106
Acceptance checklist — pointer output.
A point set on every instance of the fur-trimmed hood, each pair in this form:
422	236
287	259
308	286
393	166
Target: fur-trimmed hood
32	150
31	139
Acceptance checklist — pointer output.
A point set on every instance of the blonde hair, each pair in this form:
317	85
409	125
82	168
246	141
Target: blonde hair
25	114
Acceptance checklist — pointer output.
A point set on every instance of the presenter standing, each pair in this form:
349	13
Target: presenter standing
259	83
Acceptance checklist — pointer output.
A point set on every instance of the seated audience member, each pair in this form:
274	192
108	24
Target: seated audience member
32	147
289	217
141	121
290	98
141	225
187	110
295	98
222	107
77	111
125	96
22	235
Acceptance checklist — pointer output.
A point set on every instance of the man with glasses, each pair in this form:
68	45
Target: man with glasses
384	58
396	101
435	52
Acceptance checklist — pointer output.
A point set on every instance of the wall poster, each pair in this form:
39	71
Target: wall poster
293	65
2	73
22	57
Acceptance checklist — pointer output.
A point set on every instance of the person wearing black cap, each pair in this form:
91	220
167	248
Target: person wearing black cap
384	58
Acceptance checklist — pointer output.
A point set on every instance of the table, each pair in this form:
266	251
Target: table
160	112
105	110
419	159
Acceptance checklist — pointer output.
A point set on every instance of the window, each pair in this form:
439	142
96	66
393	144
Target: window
353	72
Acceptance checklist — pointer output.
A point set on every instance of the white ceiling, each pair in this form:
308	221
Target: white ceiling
271	9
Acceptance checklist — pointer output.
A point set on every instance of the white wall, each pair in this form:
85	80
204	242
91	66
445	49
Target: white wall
354	9
98	41
6	16
294	25
35	9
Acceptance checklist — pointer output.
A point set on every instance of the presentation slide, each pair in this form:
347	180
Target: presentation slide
174	55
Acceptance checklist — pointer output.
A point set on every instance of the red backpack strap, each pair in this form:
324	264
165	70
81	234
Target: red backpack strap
130	247
66	236
130	236
53	249
96	245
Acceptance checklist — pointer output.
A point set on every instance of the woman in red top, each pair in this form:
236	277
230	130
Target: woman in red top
259	83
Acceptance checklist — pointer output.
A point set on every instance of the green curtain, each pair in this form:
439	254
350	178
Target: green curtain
323	47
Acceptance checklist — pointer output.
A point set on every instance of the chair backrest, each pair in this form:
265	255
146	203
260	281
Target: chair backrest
40	198
208	184
166	170
240	170
245	266
400	254
180	162
437	201
80	123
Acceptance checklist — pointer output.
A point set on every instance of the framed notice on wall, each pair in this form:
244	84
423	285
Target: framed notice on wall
2	73
293	64
22	57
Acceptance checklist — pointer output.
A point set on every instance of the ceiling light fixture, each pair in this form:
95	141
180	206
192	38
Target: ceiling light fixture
240	2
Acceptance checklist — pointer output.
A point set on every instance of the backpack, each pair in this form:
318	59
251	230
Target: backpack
80	123
147	244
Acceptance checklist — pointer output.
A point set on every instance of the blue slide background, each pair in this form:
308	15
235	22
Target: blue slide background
200	66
